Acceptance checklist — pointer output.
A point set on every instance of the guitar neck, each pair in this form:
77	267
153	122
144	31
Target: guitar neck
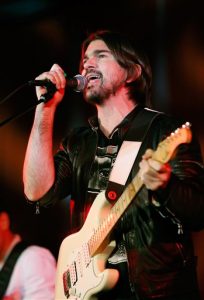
105	227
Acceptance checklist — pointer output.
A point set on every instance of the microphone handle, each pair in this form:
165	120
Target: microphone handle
46	83
51	88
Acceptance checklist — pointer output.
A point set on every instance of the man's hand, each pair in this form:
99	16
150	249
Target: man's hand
57	76
154	174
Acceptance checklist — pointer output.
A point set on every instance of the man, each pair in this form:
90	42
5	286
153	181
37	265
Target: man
30	269
154	253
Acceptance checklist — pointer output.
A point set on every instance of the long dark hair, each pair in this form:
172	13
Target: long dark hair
127	54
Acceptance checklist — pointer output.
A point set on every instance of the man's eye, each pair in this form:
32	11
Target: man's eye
101	55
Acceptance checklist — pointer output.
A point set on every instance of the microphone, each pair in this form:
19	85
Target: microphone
77	83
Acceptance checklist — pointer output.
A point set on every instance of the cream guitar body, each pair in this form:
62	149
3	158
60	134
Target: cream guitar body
87	275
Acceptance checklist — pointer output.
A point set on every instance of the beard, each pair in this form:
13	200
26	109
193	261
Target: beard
98	95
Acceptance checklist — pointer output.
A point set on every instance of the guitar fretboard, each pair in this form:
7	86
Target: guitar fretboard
105	227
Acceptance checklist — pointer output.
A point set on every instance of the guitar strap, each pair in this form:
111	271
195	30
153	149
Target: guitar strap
7	269
130	152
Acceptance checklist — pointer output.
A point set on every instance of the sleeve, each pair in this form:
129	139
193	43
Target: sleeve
65	160
63	177
184	195
36	269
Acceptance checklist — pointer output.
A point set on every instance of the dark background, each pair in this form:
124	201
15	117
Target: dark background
36	34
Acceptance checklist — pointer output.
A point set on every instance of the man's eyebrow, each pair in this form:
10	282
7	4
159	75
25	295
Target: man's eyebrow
96	52
102	51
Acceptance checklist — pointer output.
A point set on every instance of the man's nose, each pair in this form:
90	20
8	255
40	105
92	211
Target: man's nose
91	62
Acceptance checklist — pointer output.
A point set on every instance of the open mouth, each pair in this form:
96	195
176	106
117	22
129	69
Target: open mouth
92	77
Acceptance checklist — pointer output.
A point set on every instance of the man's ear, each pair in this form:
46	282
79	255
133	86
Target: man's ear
4	220
136	73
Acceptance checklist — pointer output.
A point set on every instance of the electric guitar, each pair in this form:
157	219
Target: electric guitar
81	272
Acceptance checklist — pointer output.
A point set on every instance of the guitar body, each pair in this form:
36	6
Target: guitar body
90	275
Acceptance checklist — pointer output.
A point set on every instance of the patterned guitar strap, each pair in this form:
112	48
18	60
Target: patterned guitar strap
130	152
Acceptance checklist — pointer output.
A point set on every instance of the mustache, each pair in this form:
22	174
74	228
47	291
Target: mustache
93	72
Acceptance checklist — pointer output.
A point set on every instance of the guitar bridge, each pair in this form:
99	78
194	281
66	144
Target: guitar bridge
70	279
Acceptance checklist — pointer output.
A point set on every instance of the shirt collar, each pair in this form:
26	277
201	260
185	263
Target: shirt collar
124	124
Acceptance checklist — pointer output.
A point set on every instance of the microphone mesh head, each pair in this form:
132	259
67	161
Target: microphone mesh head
82	82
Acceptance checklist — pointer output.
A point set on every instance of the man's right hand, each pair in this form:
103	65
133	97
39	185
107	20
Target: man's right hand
57	76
